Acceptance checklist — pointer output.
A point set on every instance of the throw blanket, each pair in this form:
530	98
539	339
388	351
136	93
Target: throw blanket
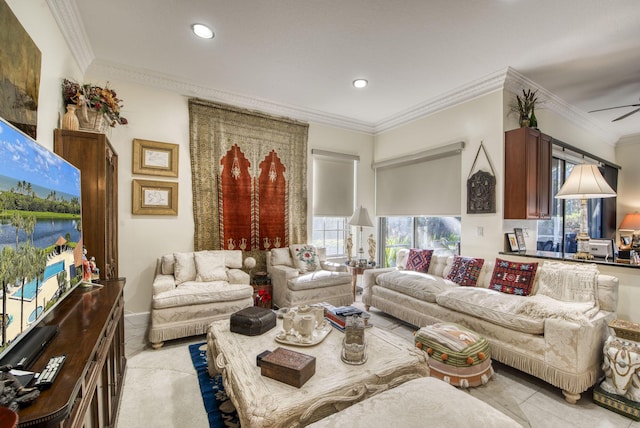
566	291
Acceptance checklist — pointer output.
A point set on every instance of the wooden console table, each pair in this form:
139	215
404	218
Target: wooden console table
87	390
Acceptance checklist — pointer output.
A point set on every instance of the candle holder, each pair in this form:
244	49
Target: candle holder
354	345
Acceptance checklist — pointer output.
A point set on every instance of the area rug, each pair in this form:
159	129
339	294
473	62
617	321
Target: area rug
220	410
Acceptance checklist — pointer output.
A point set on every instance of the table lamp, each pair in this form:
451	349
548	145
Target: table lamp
631	223
585	182
361	219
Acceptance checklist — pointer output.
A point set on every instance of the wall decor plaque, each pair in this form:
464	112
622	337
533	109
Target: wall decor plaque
481	188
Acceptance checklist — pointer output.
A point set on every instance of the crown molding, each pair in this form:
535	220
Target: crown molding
67	16
460	95
173	84
516	82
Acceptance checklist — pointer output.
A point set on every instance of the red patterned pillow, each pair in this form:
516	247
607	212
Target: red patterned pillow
465	270
419	260
513	278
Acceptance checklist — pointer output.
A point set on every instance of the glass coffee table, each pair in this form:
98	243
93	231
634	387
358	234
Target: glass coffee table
265	402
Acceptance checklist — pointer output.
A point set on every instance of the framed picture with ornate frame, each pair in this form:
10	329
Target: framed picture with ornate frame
155	197
522	247
155	158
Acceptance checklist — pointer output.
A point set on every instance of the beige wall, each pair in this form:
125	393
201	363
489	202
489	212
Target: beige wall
479	120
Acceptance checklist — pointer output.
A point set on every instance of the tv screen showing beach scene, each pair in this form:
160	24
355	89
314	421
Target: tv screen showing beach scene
40	232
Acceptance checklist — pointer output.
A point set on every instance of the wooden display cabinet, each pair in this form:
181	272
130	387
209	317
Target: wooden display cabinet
87	391
98	162
527	174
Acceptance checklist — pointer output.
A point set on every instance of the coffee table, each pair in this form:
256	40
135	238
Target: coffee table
264	402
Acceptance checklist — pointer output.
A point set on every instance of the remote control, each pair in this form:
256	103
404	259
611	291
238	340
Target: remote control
48	375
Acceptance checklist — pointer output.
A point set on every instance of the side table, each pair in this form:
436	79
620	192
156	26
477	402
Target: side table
262	290
355	271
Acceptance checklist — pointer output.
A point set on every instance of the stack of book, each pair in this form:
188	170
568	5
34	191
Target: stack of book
337	316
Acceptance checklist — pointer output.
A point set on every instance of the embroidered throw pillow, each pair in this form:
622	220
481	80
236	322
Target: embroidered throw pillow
513	278
568	282
305	258
184	267
465	270
419	260
210	266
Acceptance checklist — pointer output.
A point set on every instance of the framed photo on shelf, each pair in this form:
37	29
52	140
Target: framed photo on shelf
520	239
512	241
155	197
155	158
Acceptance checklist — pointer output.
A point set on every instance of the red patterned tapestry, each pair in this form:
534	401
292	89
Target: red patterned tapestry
249	179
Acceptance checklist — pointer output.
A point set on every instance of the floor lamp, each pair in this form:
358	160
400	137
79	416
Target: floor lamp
361	219
585	182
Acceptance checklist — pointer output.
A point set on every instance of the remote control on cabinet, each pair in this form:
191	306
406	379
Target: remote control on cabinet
48	375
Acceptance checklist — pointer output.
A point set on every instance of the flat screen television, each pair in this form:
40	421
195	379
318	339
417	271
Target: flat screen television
40	239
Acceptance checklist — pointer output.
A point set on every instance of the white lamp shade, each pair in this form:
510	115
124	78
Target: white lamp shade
361	218
585	182
630	222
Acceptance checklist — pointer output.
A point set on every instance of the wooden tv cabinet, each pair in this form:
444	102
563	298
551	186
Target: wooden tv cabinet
87	390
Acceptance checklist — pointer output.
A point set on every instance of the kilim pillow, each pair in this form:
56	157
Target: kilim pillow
419	260
513	278
465	270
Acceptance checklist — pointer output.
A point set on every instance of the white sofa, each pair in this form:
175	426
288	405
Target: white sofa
193	289
299	280
557	341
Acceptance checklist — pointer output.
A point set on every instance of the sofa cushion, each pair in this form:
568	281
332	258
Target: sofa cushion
319	279
210	266
419	260
184	267
232	258
422	286
490	305
568	282
167	263
465	270
197	293
281	257
513	278
305	258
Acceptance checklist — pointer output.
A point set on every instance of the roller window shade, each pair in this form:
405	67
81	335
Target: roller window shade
430	187
333	185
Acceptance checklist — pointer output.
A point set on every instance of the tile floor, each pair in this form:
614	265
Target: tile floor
528	400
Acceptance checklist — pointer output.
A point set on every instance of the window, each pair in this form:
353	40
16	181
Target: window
559	233
330	233
334	185
416	232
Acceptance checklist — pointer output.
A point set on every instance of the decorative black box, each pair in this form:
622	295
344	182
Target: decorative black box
252	321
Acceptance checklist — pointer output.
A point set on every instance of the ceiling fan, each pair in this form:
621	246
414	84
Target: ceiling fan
624	115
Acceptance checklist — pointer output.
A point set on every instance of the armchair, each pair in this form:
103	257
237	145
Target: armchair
300	274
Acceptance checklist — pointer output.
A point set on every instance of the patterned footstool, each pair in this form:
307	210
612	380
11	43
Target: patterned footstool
457	355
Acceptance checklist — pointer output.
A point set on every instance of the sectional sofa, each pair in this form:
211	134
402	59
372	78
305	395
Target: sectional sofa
548	319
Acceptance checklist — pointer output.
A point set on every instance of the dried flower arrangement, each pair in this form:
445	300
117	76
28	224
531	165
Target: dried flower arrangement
87	96
524	106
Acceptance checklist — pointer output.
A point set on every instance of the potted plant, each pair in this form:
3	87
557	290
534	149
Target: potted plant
99	106
524	107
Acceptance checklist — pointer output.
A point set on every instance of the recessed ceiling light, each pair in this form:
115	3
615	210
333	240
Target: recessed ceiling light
203	31
360	83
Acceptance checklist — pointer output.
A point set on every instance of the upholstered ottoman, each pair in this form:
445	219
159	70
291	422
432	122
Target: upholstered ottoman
420	403
457	355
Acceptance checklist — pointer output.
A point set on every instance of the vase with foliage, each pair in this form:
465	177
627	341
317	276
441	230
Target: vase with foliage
97	107
524	107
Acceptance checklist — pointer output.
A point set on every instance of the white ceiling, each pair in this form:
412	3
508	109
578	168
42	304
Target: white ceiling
302	55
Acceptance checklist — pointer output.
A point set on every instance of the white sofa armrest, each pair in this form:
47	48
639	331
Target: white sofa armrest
237	276
333	267
163	283
369	276
280	275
